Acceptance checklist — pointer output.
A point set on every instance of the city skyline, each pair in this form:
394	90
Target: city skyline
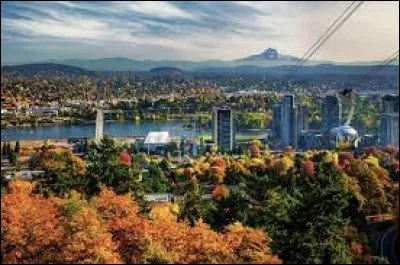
33	31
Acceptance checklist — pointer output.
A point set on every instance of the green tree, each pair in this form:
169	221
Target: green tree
155	180
105	167
192	208
17	147
171	147
315	232
227	210
133	150
4	149
3	183
13	157
8	149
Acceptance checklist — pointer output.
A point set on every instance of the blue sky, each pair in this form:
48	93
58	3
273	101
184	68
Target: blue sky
178	30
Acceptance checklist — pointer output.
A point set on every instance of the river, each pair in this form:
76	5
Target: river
114	129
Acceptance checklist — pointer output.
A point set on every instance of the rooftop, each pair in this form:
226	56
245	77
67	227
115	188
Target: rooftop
157	138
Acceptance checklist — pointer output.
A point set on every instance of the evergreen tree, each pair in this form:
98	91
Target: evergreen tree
4	149
155	180
8	149
13	158
105	168
17	147
192	208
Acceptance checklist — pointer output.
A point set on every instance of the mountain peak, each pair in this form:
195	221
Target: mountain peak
268	54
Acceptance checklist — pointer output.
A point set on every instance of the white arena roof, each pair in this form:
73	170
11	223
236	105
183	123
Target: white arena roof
157	138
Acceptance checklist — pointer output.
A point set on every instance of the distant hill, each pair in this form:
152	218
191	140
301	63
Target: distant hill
44	69
124	64
166	71
320	69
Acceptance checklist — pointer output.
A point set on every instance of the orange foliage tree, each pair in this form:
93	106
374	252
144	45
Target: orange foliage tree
88	241
31	230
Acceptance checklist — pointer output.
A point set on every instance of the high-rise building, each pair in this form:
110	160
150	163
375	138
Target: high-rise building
331	113
389	104
293	126
302	120
390	129
223	131
276	121
285	117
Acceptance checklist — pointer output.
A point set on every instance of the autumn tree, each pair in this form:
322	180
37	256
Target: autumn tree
64	171
121	218
88	241
255	149
31	229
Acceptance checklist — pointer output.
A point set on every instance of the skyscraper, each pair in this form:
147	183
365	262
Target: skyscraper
276	121
302	121
390	129
389	104
223	131
285	121
331	113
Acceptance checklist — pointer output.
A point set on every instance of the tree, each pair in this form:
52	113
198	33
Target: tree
88	241
308	168
192	204
317	227
219	192
64	171
172	147
31	229
8	150
105	167
155	180
125	158
3	183
228	210
255	150
129	230
373	197
13	157
17	147
4	149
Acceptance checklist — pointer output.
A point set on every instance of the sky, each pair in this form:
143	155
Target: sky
185	30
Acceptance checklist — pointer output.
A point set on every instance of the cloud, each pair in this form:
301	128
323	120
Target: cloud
193	30
161	9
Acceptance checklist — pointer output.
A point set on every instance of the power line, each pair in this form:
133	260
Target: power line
298	61
331	33
379	67
325	37
374	70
